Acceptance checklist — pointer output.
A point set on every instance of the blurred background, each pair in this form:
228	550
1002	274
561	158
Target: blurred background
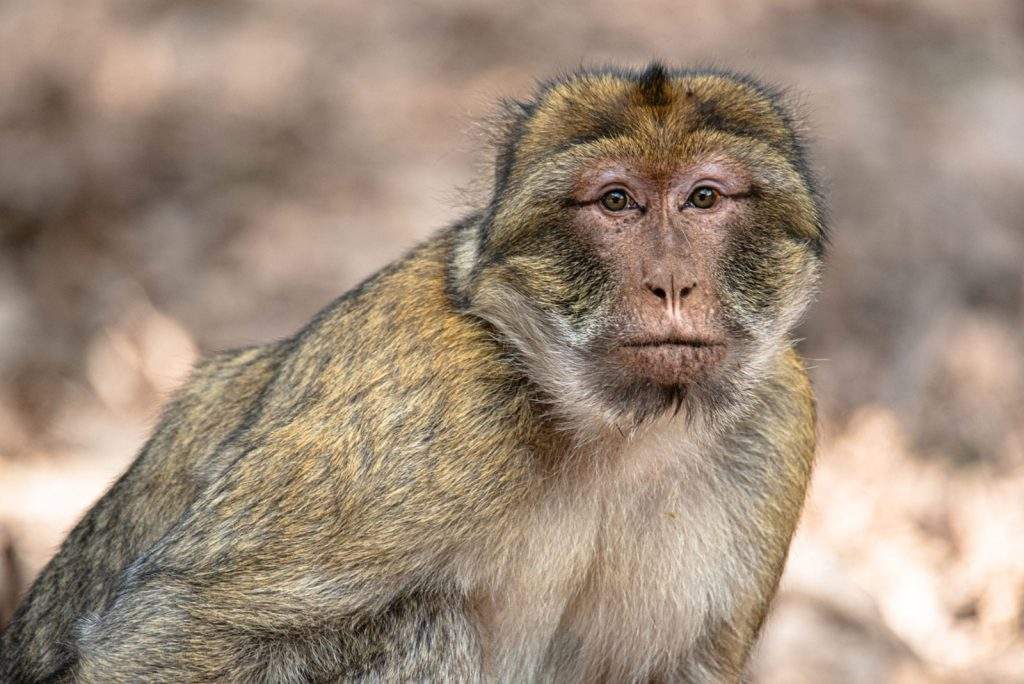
178	177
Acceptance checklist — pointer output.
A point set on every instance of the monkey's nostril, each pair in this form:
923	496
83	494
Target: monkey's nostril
659	292
687	290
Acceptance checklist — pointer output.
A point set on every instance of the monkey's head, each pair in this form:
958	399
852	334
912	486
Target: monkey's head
651	240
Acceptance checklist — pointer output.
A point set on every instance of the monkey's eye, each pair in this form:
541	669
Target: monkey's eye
704	197
615	200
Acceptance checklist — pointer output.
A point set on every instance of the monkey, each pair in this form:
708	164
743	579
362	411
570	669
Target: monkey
567	438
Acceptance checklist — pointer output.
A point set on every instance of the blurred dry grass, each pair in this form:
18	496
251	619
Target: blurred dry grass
181	176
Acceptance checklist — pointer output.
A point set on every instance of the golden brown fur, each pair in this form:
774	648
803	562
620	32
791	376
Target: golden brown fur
428	482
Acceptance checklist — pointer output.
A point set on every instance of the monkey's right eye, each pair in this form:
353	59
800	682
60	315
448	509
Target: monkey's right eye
615	200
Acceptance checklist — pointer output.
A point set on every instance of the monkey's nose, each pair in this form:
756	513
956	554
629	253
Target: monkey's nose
672	292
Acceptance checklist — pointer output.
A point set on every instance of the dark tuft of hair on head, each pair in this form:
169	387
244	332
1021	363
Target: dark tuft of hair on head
653	85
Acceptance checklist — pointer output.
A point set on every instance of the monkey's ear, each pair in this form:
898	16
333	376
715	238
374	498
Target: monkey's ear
519	108
509	127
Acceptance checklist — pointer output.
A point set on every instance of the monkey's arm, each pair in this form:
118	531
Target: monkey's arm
137	511
325	548
280	573
168	632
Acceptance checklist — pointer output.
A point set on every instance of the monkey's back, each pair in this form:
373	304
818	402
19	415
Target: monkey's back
338	393
222	392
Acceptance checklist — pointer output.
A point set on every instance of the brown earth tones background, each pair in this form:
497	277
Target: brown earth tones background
178	177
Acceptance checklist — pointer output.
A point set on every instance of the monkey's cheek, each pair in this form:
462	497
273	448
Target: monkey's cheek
670	365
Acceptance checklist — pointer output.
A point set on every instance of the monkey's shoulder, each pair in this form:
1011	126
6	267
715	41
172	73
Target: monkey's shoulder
789	394
220	399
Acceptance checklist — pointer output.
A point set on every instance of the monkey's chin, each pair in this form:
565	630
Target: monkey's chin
671	364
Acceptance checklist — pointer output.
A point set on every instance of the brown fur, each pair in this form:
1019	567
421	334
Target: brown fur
424	483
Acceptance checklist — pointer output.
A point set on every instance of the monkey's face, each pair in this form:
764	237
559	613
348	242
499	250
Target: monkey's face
661	236
664	235
702	279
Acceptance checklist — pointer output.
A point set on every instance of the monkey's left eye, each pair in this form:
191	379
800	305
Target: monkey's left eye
703	197
615	200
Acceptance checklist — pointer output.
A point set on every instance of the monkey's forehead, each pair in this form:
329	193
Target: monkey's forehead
654	104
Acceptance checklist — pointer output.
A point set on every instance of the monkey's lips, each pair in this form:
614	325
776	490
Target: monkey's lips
671	361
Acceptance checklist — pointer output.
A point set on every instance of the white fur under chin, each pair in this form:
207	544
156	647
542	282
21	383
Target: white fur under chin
614	573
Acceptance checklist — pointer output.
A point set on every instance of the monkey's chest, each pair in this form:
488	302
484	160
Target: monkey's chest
613	584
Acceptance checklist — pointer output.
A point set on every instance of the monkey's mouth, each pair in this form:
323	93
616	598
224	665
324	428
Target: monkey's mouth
671	361
695	342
